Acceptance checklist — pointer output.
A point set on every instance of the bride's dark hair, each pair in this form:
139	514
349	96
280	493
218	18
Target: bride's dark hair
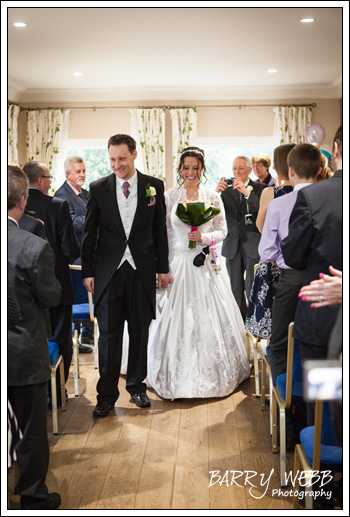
196	152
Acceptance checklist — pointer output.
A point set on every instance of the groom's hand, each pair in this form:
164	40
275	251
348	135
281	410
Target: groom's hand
164	279
89	284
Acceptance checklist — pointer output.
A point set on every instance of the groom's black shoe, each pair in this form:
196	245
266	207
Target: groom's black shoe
141	400
102	409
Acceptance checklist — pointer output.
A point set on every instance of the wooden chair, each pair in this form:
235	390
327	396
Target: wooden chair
56	363
76	373
287	392
83	308
266	371
317	451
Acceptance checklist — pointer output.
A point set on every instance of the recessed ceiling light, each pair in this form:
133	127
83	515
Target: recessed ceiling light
20	24
78	74
307	20
272	71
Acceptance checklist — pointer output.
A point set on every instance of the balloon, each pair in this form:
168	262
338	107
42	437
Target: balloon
315	134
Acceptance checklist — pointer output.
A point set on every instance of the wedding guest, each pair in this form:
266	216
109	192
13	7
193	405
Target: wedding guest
60	235
304	162
314	241
259	315
261	163
241	202
33	282
76	196
124	245
196	345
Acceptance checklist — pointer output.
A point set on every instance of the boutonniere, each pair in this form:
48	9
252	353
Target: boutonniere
151	194
250	188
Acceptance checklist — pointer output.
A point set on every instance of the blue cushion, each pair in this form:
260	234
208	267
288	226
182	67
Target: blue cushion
267	351
81	311
297	389
54	350
331	455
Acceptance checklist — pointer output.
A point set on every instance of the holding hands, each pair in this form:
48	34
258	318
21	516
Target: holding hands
164	279
323	292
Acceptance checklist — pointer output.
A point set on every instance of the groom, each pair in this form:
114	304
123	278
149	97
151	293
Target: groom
124	245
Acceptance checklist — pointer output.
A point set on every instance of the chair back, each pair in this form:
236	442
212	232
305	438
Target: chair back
294	369
80	293
54	350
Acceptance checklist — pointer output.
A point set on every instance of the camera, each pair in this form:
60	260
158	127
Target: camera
248	219
322	380
229	181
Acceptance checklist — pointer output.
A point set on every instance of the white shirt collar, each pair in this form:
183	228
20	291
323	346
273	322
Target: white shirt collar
301	185
12	219
131	180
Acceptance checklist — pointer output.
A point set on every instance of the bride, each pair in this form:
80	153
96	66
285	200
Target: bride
196	344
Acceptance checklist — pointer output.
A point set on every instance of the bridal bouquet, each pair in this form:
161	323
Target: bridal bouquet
195	214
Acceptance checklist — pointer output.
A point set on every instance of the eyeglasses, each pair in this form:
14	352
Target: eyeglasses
50	177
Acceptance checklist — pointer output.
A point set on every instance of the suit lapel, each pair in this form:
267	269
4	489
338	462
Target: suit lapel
74	196
142	181
111	203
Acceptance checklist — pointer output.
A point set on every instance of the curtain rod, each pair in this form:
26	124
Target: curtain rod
94	108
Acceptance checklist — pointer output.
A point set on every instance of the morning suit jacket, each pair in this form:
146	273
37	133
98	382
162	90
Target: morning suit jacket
60	235
314	243
238	232
31	275
104	241
76	207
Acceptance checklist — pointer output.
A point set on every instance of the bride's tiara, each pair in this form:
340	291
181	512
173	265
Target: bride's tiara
193	150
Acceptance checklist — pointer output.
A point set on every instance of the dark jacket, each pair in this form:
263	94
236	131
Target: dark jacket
104	239
314	243
77	207
238	231
60	235
31	276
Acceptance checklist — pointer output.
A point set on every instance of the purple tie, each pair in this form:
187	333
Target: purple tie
125	188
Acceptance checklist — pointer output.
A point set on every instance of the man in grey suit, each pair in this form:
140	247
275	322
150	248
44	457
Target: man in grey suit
241	198
76	196
32	279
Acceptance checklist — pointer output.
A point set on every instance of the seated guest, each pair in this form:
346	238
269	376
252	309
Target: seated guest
314	241
261	164
32	279
76	196
304	162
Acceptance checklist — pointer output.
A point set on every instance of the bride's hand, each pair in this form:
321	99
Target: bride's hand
195	236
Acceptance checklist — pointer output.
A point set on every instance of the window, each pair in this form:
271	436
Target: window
220	152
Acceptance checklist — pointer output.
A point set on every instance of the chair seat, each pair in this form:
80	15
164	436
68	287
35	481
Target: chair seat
54	350
331	455
297	389
81	311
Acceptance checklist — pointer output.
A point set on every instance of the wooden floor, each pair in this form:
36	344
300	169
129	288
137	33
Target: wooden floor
161	457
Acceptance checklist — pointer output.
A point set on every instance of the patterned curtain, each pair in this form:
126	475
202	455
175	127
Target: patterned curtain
12	141
150	128
47	132
291	123
184	128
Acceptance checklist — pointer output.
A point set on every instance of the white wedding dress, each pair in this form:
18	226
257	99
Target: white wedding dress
196	343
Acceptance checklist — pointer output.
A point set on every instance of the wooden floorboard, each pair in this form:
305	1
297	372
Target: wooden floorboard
179	455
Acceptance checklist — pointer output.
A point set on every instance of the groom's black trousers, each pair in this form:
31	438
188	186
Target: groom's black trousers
125	299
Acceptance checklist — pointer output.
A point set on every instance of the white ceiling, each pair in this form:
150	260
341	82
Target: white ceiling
173	53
